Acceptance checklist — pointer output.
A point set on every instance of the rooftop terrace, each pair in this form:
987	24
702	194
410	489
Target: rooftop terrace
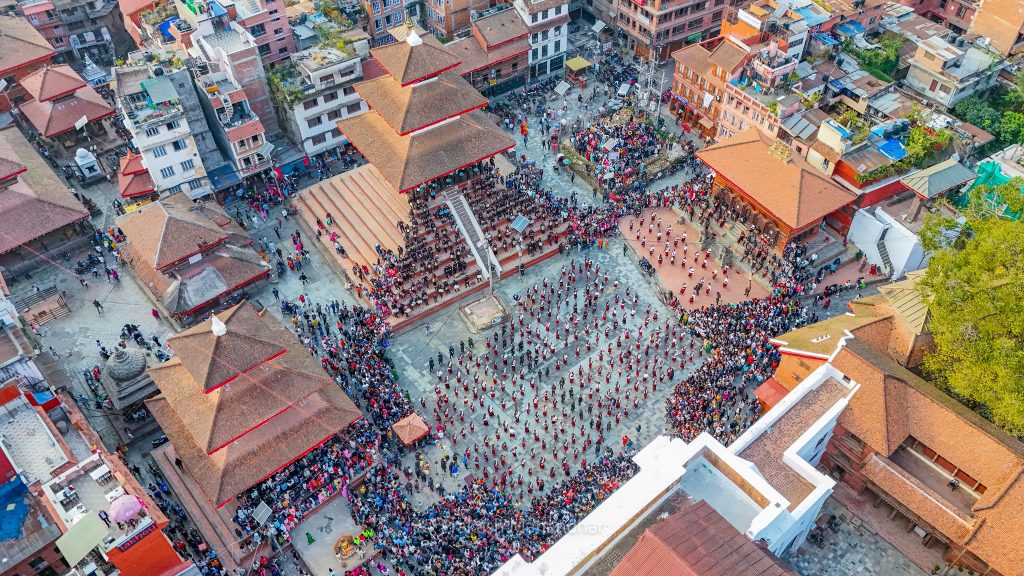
29	442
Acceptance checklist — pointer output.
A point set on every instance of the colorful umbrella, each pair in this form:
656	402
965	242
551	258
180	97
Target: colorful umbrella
125	508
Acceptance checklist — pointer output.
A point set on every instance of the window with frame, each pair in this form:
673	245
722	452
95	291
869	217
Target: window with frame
258	30
278	31
187	165
353	108
376	7
195	184
333	115
172	124
544	51
264	50
167	172
378	25
282	50
316	121
533	18
318	139
152	131
335	133
558	46
348	90
159	152
310	104
331	96
544	35
179	145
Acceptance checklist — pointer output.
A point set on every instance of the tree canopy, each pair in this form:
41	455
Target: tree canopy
974	286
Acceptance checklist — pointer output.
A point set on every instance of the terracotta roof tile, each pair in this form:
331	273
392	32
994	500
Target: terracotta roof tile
766	451
9	169
20	44
39	202
213	360
476	57
893	404
131	163
499	28
698	541
50	82
695	57
221	271
794	191
247	130
408	161
170	230
407	63
238	434
727	56
409	108
133	185
261	452
55	117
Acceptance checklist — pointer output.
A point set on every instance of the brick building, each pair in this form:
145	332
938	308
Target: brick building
495	58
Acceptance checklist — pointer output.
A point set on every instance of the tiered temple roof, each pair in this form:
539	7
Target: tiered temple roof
241	399
424	122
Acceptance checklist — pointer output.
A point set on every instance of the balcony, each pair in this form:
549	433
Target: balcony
933	507
143	115
936	478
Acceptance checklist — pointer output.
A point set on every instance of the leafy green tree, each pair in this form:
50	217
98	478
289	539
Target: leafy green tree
974	285
1011	127
978	112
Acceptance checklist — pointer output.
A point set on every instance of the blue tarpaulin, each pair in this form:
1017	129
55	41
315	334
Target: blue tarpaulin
15	509
223	176
851	28
826	39
892	149
165	27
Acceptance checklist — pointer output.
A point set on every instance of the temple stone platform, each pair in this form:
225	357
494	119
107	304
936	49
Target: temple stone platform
484	313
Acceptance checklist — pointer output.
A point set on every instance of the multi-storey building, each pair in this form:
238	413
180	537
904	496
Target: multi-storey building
495	58
956	14
264	21
317	91
23	50
666	25
239	132
154	113
548	24
386	14
945	73
79	28
225	46
789	22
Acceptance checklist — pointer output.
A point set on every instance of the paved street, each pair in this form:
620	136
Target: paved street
413	349
852	549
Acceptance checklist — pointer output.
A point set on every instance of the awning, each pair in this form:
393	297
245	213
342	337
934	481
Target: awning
771	392
562	88
37	8
81	538
577	63
706	123
159	89
223	176
410	429
598	26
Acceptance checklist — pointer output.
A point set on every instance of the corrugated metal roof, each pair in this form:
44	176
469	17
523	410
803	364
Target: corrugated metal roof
944	176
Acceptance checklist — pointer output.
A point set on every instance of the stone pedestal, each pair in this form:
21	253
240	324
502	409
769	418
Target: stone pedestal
484	313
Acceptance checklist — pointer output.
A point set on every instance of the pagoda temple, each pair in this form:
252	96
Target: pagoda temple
404	228
242	399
